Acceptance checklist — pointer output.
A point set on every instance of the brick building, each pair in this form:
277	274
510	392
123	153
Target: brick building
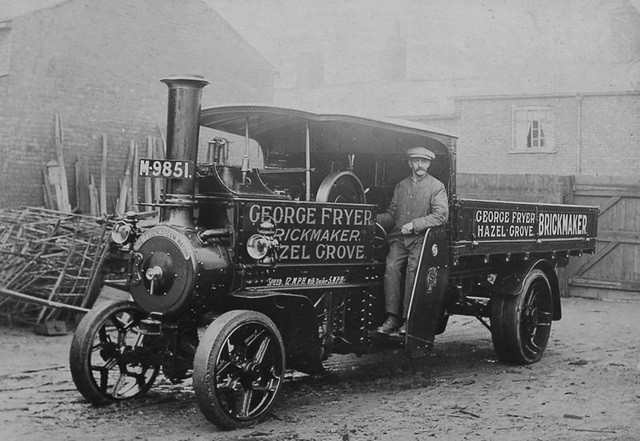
476	70
558	115
98	64
582	133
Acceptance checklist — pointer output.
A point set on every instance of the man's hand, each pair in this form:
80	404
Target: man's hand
407	228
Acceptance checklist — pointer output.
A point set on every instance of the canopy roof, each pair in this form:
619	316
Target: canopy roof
332	133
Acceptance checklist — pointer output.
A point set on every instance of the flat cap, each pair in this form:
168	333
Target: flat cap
420	152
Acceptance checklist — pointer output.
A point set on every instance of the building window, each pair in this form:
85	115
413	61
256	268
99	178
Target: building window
533	130
5	48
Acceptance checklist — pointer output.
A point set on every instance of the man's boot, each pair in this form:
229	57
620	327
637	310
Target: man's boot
390	325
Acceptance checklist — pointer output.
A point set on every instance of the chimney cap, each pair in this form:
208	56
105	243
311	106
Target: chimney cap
188	78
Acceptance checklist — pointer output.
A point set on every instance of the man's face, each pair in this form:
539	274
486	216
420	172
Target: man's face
419	166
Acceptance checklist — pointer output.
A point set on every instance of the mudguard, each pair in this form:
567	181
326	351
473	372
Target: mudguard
296	321
509	283
427	295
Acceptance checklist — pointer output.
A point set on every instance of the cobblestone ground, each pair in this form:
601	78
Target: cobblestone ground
586	387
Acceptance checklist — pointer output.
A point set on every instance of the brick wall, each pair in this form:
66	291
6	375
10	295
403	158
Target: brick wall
485	137
611	135
98	64
595	134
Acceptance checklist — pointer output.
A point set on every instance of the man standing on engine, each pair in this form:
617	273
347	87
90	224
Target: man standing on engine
419	202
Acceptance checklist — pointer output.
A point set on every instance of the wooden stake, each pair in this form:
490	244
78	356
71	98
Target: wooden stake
64	189
93	197
49	200
53	171
148	192
82	186
126	184
103	178
157	183
134	177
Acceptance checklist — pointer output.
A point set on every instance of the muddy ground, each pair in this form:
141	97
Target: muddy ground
586	387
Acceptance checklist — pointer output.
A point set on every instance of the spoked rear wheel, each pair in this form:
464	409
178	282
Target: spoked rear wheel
521	324
110	359
238	369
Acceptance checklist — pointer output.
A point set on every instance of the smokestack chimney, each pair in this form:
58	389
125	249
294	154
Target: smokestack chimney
183	130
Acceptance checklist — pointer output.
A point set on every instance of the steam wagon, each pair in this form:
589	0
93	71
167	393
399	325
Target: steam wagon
267	256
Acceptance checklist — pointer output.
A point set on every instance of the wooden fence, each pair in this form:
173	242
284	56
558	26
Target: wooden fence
518	188
614	271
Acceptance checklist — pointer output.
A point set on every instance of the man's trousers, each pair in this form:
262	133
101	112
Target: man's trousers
402	263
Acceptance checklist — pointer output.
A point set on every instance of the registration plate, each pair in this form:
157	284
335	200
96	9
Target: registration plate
166	168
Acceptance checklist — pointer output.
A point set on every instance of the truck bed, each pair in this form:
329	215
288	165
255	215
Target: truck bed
481	227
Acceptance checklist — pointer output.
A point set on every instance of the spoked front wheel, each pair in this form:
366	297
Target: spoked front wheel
110	359
521	324
238	369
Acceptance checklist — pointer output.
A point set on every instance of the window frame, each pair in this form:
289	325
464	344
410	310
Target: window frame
523	120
